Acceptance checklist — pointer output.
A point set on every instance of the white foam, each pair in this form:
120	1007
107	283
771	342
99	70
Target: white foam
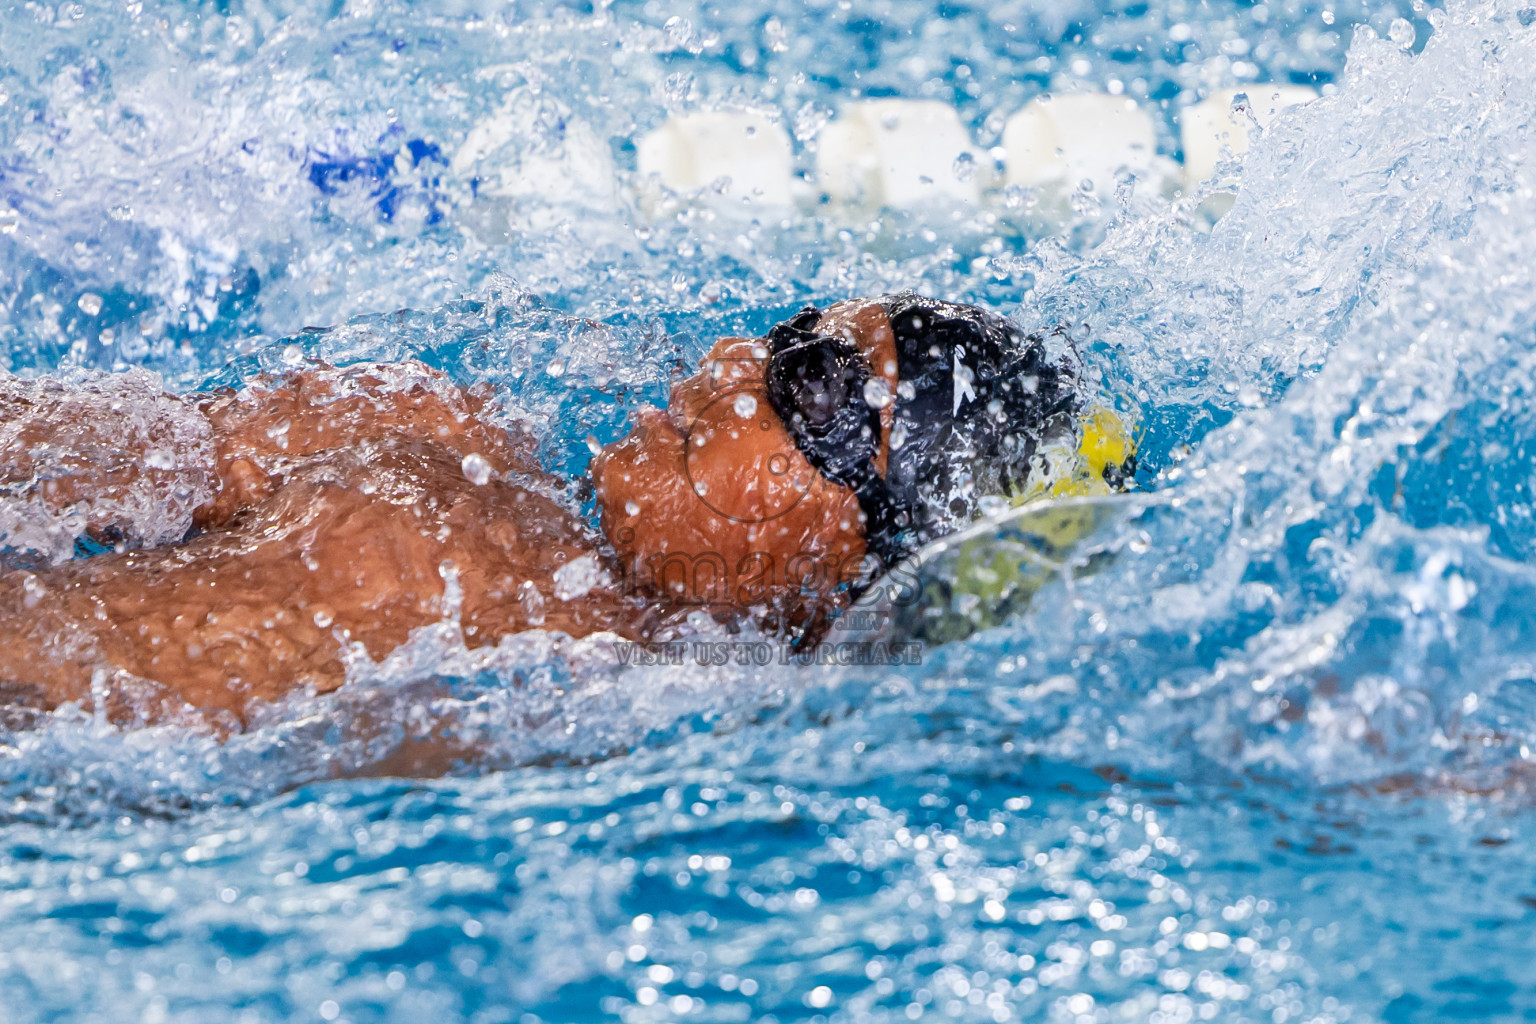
143	460
899	153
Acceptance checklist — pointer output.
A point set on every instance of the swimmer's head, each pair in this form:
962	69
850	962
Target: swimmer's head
975	397
804	461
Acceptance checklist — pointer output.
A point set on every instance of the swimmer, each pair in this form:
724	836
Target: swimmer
351	506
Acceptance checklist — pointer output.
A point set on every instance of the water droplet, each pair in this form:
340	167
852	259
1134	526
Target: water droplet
810	119
1084	203
681	33
556	367
532	603
964	167
775	35
898	436
1017	197
323	618
1402	33
745	406
678	88
700	488
877	393
477	470
89	303
632	508
579	577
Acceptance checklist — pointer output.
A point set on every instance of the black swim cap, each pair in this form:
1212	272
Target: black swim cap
977	396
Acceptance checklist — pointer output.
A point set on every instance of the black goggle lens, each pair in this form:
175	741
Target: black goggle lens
820	384
816	385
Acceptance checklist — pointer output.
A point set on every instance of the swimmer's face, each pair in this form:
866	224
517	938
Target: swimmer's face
712	502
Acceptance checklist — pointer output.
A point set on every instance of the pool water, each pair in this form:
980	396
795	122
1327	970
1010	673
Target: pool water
1271	763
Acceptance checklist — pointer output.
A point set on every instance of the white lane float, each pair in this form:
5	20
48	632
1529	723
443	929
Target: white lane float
741	156
1060	141
899	153
1208	126
882	153
534	162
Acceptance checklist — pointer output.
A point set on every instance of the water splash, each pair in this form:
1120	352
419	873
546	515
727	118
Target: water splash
1237	773
112	455
1365	301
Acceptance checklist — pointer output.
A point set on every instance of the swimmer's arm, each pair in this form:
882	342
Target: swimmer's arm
263	432
97	448
355	549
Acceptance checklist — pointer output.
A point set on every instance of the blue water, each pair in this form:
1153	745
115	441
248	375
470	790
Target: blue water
1270	764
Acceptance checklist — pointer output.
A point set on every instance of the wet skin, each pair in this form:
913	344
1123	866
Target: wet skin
344	508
